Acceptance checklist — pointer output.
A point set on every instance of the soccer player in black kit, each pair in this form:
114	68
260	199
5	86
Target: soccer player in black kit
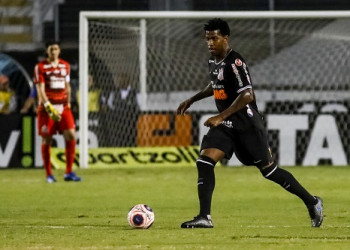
238	128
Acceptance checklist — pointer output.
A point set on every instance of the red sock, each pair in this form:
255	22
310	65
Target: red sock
45	152
70	155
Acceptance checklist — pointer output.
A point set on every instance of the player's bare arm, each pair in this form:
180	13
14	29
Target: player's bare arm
41	93
206	92
68	91
242	100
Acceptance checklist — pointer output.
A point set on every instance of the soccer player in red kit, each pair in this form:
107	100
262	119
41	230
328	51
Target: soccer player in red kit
52	79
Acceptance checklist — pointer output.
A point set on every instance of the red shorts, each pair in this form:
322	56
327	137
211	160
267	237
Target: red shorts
48	127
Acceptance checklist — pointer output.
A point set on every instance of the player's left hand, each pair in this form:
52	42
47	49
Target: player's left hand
183	107
52	112
213	121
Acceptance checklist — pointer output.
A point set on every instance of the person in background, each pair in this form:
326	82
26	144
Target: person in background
120	109
93	96
52	79
30	104
8	101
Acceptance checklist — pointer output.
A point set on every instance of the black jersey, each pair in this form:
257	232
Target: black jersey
229	78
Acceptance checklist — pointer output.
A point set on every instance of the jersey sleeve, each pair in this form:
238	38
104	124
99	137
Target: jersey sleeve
241	73
38	74
33	92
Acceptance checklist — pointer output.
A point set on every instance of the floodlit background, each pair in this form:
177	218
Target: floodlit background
140	152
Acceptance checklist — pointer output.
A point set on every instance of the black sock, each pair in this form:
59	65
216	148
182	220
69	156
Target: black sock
289	183
206	183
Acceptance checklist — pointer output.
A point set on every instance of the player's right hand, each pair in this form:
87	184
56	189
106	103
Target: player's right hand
52	112
213	121
183	107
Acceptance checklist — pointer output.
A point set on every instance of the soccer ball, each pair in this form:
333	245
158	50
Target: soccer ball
141	216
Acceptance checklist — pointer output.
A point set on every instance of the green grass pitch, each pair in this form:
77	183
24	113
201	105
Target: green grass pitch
248	211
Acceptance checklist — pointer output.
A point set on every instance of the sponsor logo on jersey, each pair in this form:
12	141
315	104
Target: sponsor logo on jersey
221	74
250	112
227	124
220	94
246	72
235	70
47	66
217	86
238	62
57	82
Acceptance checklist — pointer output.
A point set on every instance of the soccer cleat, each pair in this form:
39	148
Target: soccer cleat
50	179
316	213
198	222
71	177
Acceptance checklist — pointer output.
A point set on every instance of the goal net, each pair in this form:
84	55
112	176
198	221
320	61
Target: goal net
136	67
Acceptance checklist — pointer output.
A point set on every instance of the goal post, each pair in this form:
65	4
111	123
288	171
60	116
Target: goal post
83	87
162	56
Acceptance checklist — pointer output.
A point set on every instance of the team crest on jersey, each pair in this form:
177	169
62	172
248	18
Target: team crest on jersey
227	124
238	62
221	74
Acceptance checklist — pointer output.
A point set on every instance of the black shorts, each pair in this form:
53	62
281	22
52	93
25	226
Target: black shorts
250	146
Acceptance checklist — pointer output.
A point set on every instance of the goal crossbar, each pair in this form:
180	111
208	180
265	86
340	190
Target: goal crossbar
213	14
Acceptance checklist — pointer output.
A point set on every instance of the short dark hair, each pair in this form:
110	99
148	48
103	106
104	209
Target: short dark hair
51	42
217	24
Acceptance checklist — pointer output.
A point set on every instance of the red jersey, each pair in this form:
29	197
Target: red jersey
55	79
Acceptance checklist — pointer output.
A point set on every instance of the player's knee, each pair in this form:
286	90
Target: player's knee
46	140
205	161
205	167
267	169
69	135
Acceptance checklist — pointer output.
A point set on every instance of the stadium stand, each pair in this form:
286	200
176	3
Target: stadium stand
15	22
26	24
302	54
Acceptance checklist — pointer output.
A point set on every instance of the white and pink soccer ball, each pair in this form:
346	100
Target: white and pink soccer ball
141	216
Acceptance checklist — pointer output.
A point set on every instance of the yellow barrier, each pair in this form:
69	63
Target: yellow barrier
132	157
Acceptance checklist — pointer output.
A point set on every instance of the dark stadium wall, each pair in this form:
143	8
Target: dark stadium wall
69	11
312	5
